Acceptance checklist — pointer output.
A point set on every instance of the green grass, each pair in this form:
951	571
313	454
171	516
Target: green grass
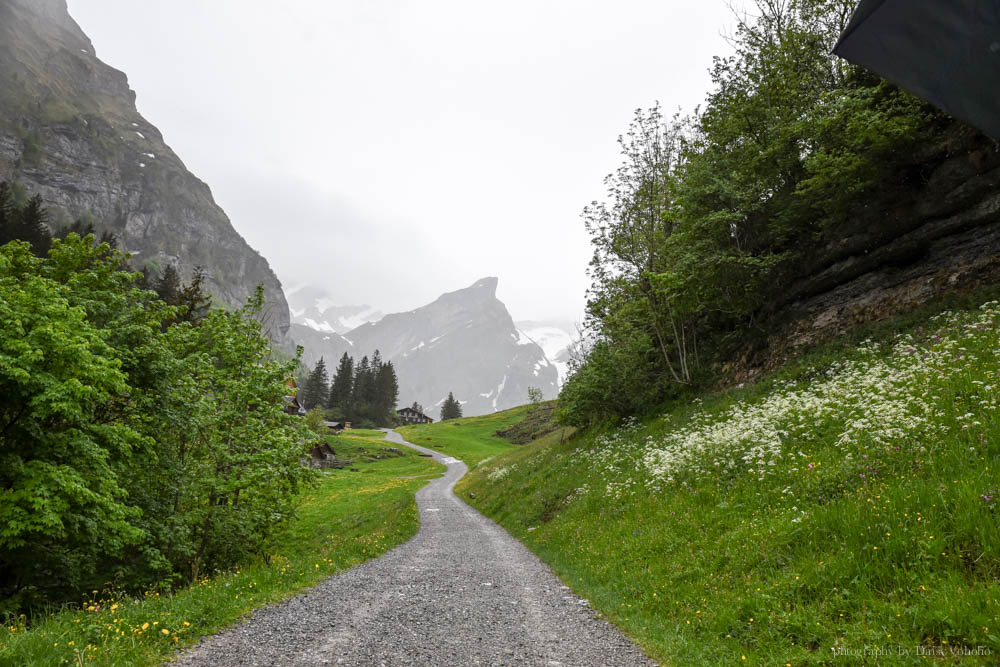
349	518
370	433
848	501
358	443
471	439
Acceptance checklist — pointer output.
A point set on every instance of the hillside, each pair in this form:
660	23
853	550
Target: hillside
846	501
70	132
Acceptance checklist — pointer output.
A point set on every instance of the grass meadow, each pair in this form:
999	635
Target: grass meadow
350	517
844	511
471	439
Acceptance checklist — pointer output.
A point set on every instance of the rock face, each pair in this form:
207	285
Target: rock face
465	342
70	132
938	234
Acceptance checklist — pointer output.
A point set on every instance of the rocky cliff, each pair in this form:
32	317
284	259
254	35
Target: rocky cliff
936	231
70	132
464	342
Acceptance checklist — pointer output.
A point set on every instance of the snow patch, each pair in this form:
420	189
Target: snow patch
318	326
140	134
354	321
500	387
553	341
522	338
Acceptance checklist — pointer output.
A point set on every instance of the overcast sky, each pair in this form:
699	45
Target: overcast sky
392	150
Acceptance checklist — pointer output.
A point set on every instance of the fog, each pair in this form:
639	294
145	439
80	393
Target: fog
392	150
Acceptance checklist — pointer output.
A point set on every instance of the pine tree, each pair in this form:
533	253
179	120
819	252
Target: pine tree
25	223
451	409
169	285
194	299
145	279
6	213
417	407
387	392
363	386
315	388
109	237
82	226
339	398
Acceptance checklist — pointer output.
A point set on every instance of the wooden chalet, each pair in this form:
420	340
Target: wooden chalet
322	452
411	416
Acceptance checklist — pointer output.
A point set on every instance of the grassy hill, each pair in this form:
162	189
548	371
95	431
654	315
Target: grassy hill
846	504
472	439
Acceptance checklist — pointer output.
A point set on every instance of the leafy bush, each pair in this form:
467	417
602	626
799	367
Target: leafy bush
135	449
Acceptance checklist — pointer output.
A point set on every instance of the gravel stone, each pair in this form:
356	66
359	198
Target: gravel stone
461	592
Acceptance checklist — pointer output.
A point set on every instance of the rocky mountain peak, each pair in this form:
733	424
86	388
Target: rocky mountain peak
463	342
482	293
485	285
70	132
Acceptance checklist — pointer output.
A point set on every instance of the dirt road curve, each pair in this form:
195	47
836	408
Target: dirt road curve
462	592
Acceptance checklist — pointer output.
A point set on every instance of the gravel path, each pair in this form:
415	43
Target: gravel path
462	592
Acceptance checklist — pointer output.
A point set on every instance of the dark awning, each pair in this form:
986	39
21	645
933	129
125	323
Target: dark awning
945	51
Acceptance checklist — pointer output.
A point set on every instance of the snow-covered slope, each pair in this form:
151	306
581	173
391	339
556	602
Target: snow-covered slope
314	308
555	339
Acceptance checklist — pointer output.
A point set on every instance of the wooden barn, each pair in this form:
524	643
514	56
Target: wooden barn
411	416
321	454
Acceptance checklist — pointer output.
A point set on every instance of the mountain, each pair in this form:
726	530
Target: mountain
464	342
314	308
70	132
556	339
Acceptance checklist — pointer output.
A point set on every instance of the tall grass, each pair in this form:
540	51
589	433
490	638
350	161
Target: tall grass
848	507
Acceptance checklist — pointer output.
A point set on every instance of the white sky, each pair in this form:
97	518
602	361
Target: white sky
392	150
